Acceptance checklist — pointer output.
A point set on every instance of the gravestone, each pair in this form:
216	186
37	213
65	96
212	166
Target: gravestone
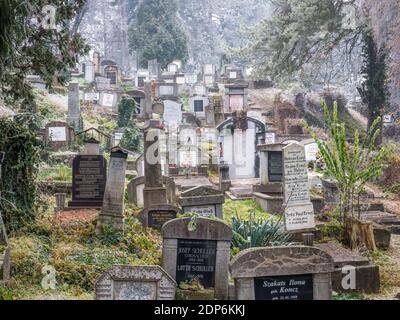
157	215
204	201
58	135
299	211
135	283
311	149
96	62
198	105
112	73
172	112
74	108
154	69
108	99
236	97
200	255
154	192
89	71
103	83
135	191
89	174
93	97
112	212
282	273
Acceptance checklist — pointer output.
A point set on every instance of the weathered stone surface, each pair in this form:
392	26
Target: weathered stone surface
203	200
211	236
113	202
156	216
206	229
282	273
342	256
258	262
366	274
367	280
382	236
135	283
58	134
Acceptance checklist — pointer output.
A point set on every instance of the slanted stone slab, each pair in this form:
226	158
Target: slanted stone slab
156	216
135	283
282	273
366	274
200	255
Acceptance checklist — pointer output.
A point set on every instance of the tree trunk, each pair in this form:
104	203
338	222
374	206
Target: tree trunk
360	234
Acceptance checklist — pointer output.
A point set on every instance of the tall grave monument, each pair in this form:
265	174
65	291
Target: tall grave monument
154	192
112	212
74	108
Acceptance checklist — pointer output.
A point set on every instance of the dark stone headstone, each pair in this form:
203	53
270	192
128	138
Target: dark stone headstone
196	260
275	166
156	216
89	174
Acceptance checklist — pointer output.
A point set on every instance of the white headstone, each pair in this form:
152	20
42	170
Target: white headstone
299	211
172	112
57	134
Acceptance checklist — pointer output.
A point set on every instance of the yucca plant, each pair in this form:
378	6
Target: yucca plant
258	233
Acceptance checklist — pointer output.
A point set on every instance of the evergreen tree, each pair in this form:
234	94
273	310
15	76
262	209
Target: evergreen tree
157	33
374	89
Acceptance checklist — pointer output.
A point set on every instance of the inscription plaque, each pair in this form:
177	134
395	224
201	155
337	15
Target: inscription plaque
275	166
296	287
196	261
88	181
158	218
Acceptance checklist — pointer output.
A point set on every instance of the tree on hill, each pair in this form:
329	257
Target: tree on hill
30	45
157	33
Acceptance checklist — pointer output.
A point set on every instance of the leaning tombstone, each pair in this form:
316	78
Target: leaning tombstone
135	283
196	254
157	215
282	273
112	212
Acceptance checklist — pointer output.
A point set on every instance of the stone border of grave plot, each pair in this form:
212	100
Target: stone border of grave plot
144	214
166	285
206	229
282	261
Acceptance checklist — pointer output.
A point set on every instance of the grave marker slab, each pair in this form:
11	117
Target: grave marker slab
282	273
201	254
135	283
157	215
89	174
202	200
299	211
74	108
113	202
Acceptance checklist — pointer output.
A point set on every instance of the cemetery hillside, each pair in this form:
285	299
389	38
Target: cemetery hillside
199	150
